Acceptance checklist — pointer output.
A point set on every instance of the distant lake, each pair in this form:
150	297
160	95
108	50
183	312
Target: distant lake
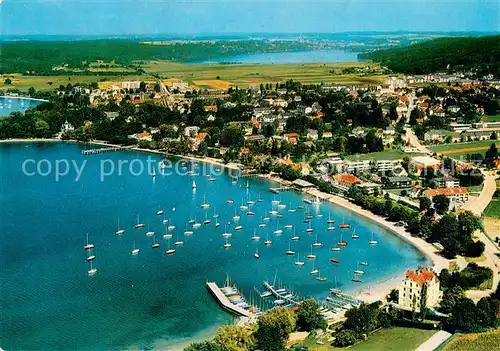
311	56
11	104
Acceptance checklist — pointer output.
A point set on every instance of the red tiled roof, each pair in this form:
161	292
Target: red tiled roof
446	191
421	276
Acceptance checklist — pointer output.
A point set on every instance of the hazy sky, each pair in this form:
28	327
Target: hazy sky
232	16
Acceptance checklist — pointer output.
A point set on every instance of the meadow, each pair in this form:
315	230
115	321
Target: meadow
488	341
389	154
460	150
207	76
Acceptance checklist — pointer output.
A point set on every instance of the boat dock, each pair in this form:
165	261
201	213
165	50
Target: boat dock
100	150
278	296
224	301
283	188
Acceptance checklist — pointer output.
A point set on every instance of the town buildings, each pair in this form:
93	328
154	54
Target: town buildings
420	287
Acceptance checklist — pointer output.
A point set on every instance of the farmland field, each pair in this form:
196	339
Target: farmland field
458	150
494	118
493	208
488	341
209	76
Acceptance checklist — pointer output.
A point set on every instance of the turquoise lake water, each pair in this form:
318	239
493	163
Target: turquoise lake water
10	104
312	56
47	300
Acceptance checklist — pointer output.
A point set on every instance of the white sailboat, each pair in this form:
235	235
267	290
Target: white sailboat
289	252
169	251
317	243
193	185
227	245
373	241
139	224
320	278
255	236
205	204
135	251
311	256
119	231
267	242
91	271
357	270
310	229
167	235
178	242
217	224
206	221
165	221
278	231
295	237
88	246
150	232
155	244
236	217
226	234
187	231
314	270
256	254
299	262
90	256
354	235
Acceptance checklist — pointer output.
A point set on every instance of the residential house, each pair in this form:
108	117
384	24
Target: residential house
335	163
67	127
386	165
312	134
398	182
357	166
327	135
418	163
303	168
447	182
210	108
131	85
371	187
346	180
459	194
191	131
291	137
419	285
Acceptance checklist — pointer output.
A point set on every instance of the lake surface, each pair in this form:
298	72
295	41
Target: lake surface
11	104
313	56
48	301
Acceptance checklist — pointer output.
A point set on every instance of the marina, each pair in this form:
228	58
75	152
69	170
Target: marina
146	281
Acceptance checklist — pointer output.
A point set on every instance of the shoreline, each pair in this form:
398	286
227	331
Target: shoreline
22	97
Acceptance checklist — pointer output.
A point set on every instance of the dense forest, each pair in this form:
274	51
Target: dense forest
480	54
40	57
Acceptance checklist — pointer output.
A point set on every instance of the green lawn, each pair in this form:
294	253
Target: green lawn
390	154
475	188
493	209
450	148
495	118
391	339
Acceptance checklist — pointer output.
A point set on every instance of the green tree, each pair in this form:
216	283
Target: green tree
345	338
441	203
450	298
234	338
7	81
274	328
31	91
308	316
42	129
425	203
232	136
464	316
362	319
205	346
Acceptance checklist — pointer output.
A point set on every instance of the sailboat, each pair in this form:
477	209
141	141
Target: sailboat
314	270
204	204
178	242
290	209
187	231
90	257
373	241
274	201
160	212
320	278
357	270
88	246
236	217
171	227
169	251
354	235
295	236
165	221
334	260
119	231
256	254
311	256
299	262
226	234
150	232
356	279
167	235
288	226
344	225
255	236
259	199
135	251
91	271
310	229
206	221
193	185
342	242
196	225
330	220
335	290
155	244
217	224
335	248
262	224
363	263
247	186
139	225
289	252
317	243
238	227
243	206
267	242
278	231
227	245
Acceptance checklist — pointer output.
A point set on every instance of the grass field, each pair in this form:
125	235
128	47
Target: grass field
495	118
210	76
389	154
460	150
488	341
493	208
391	339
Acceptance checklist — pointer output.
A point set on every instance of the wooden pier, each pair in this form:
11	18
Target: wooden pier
100	150
224	301
270	288
281	189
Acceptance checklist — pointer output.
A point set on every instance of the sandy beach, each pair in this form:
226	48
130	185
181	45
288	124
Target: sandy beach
22	97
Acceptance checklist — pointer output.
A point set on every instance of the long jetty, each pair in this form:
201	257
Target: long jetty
271	289
224	301
100	150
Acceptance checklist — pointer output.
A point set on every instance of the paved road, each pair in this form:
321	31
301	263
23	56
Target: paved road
434	341
477	206
413	140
